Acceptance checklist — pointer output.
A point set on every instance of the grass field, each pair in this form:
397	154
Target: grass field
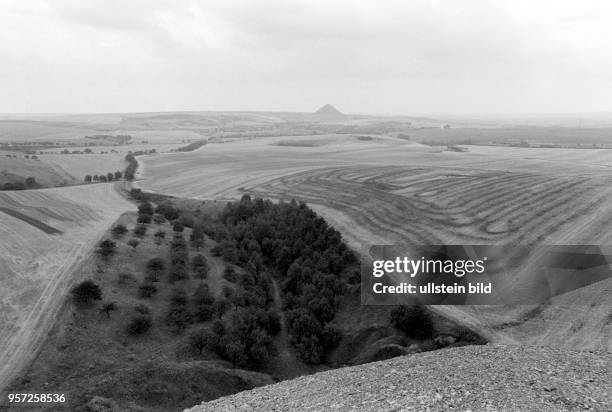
37	267
387	191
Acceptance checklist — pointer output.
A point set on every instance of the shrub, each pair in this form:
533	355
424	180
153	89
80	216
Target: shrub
178	318
135	194
86	292
145	208
159	236
140	230
200	266
106	248
159	219
167	210
142	309
147	290
133	243
178	227
201	339
221	306
230	274
125	278
155	268
144	219
108	308
178	273
197	236
414	321
119	230
202	302
139	324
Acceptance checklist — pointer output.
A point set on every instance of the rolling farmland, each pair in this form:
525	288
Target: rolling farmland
45	236
385	191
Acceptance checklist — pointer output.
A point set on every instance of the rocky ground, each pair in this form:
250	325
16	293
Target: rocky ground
478	378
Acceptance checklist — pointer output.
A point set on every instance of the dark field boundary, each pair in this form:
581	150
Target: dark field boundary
50	230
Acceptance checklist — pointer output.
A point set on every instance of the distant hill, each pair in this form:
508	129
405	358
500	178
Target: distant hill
329	110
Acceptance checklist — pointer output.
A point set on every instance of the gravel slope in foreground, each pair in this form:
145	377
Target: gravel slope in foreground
489	377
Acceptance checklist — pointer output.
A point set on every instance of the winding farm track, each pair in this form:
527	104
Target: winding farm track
37	268
389	191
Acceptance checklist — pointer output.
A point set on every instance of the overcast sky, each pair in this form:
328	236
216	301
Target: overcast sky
379	56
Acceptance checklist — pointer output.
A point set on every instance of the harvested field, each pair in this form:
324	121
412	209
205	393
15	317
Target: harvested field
394	191
36	267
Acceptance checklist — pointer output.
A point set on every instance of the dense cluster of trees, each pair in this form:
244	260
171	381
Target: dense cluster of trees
308	256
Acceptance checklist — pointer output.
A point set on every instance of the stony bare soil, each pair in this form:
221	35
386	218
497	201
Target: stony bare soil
478	378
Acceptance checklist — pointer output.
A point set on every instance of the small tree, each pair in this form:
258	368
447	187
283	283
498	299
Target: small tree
86	292
87	178
145	208
30	182
133	243
201	339
118	175
106	248
108	308
155	267
147	290
139	324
